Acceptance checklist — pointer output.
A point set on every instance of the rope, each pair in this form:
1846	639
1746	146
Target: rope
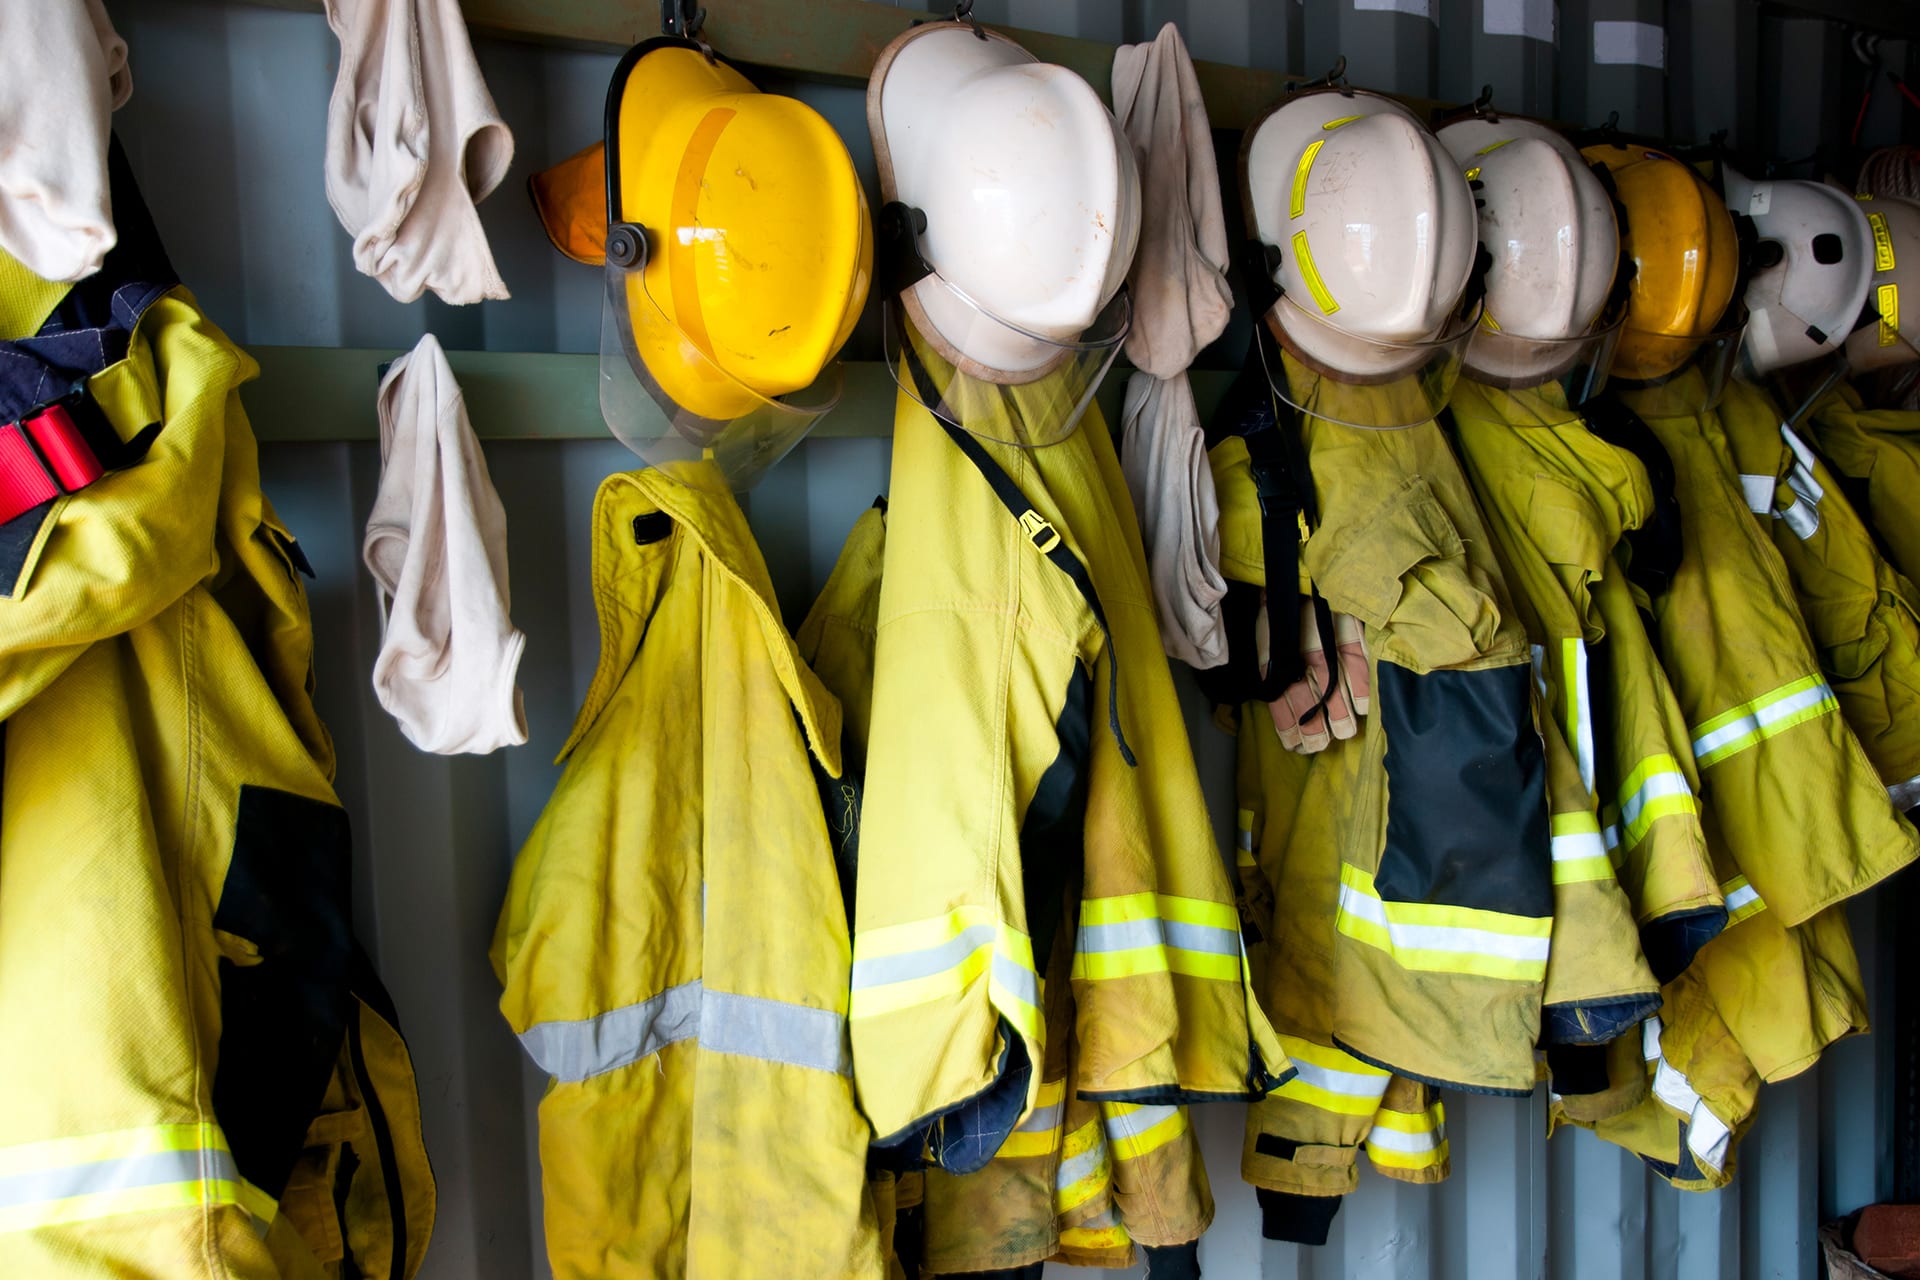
1891	171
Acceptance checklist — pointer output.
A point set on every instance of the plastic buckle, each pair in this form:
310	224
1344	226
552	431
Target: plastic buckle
1039	531
42	456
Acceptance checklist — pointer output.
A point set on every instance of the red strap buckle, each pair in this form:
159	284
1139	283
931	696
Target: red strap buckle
42	456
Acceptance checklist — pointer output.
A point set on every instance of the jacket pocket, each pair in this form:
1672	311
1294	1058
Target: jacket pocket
1566	528
1403	570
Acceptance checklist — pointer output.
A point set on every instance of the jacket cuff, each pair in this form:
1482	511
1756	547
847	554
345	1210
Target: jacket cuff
1578	1068
1173	1262
1296	1219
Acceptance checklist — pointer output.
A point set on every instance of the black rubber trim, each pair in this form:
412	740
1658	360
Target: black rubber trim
1296	1219
1436	1081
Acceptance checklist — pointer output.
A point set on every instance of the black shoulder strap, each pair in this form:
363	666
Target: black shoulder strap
1045	538
1656	544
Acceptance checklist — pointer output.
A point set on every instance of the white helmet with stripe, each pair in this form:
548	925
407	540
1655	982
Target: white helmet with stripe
1367	227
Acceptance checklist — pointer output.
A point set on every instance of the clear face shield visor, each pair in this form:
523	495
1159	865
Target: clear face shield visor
667	398
1535	382
1370	383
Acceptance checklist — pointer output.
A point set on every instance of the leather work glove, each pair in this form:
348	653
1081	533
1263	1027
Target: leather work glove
1305	726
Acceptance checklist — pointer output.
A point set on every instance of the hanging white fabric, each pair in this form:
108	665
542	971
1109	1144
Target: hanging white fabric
414	143
63	73
436	545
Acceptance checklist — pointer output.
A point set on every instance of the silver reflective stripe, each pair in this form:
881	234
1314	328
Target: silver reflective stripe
152	1169
1085	1165
1131	1124
1904	795
1800	478
1802	517
745	1026
1351	1084
1042	1119
1016	979
1583	714
1658	785
1412	1144
775	1031
1759	493
1741	896
878	971
614	1039
1128	935
1758	719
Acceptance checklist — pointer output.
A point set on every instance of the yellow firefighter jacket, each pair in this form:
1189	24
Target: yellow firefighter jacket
1859	610
206	1080
1025	723
1773	753
673	946
1876	455
1078	1181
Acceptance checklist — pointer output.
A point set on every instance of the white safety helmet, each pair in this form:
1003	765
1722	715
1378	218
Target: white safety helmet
1014	200
1547	223
1891	335
1367	230
1812	270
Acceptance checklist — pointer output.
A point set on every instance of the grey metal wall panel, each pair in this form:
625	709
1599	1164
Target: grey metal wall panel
226	130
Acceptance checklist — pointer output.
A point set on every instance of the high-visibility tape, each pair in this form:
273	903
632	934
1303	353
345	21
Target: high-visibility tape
1742	899
1298	204
722	1022
1336	123
1322	296
1039	1133
126	1171
1408	1140
1882	242
1085	1170
902	966
1573	652
1244	843
1103	1231
1136	933
1654	790
1133	1131
1744	726
1708	1136
1579	853
1436	938
1329	1080
1887	301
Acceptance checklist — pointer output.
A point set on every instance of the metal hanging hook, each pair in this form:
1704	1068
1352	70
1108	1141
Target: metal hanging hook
963	12
1482	103
1336	78
685	18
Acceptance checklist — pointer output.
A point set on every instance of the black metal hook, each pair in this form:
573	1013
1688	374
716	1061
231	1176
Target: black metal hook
963	12
1336	78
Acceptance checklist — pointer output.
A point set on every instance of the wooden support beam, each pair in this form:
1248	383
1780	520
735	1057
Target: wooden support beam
835	41
317	395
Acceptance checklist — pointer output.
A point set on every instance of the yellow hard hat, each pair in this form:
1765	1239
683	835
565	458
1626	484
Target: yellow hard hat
738	256
1681	240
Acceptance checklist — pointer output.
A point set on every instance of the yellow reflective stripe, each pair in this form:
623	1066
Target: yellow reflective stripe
1737	728
1443	939
1882	242
1336	123
1085	1171
1743	900
1300	171
1387	1158
1495	146
1039	1133
1330	1080
1579	854
1409	1139
1138	933
1887	302
1133	1131
1655	789
1245	842
901	966
1090	1238
1573	655
1434	1117
1303	254
142	1170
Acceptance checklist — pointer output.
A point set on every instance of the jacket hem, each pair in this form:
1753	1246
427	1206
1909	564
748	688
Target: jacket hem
1438	1082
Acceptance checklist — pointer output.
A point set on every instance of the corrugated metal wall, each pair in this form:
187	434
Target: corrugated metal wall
226	130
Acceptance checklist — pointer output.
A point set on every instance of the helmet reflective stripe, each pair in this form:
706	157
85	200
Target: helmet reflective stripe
1889	332
1804	305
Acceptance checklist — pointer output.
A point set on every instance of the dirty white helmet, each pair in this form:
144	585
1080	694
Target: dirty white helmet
1891	335
1014	212
1367	227
1547	223
1812	271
